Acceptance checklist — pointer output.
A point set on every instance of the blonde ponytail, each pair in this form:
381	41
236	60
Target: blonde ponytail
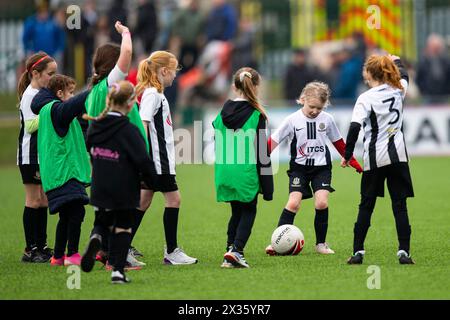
148	70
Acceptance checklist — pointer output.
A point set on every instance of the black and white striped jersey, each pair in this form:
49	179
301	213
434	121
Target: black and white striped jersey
308	137
27	149
154	109
380	112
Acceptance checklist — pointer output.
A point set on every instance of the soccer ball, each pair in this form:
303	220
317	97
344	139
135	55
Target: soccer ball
288	240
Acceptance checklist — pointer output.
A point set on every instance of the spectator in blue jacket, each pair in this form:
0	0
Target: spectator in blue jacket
349	75
221	22
41	32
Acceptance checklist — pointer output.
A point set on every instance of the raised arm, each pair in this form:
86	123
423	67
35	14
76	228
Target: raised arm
126	48
398	62
63	113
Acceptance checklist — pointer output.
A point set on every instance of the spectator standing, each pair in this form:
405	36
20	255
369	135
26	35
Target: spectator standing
186	34
221	22
243	47
90	19
147	24
117	12
41	32
349	74
297	75
166	10
433	70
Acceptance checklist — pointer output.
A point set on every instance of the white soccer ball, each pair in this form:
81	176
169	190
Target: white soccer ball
288	240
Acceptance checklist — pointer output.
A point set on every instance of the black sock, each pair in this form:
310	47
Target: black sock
321	225
170	220
61	235
105	240
363	222
120	243
29	223
402	224
41	228
287	217
75	219
102	224
138	216
245	225
112	252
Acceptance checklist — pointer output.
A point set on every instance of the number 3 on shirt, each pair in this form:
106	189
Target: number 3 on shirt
391	109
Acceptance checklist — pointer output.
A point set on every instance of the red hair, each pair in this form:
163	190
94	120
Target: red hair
384	70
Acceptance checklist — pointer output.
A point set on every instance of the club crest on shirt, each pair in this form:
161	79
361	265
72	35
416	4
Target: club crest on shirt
322	127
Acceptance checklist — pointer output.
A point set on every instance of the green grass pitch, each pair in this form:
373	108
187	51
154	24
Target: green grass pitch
202	233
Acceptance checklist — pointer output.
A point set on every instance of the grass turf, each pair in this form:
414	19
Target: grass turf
202	233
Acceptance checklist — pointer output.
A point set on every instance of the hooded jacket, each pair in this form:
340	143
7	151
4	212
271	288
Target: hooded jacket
119	159
234	115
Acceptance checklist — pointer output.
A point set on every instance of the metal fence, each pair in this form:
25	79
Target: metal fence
10	53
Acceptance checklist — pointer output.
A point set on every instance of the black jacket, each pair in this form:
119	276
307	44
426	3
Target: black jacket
62	112
119	157
296	78
147	24
433	76
234	115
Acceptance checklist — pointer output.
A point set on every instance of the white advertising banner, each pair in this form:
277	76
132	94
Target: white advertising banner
426	130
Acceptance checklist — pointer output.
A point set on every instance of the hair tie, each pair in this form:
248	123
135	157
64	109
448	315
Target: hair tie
115	86
244	74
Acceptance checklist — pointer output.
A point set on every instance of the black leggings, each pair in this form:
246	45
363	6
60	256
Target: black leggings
71	216
362	224
107	222
241	222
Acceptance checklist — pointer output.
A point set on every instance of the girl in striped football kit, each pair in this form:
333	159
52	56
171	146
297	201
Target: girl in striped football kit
308	130
154	74
40	67
379	111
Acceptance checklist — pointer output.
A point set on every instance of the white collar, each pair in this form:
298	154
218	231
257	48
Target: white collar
115	113
381	86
